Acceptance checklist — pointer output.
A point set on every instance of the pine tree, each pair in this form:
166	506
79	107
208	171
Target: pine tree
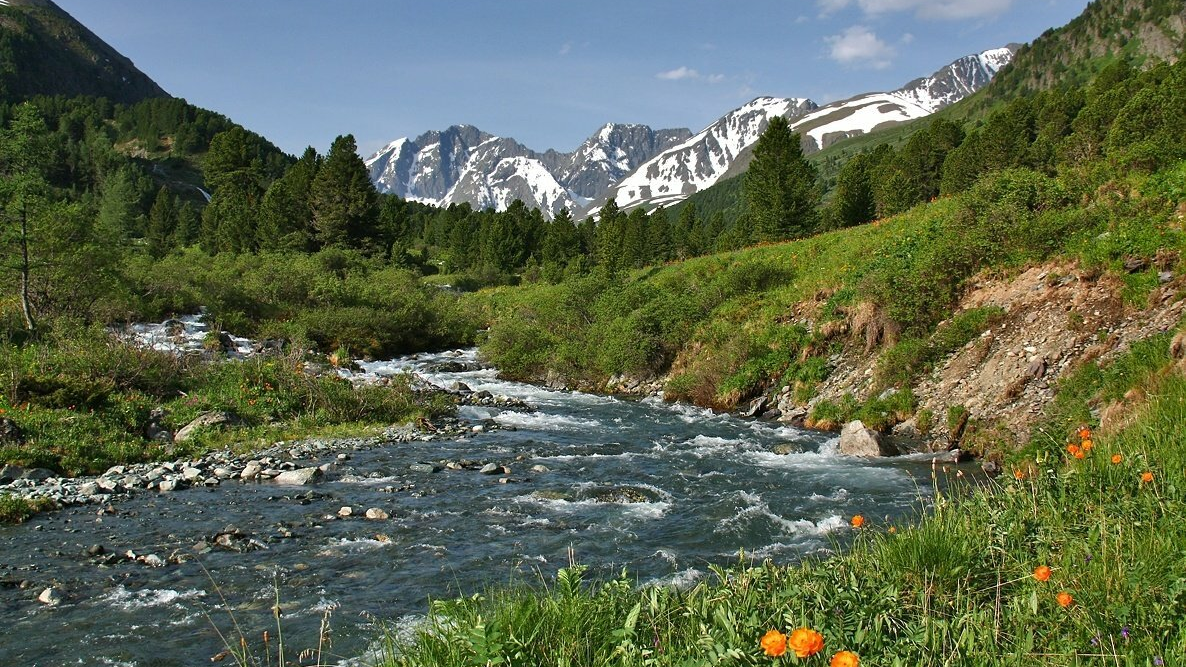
852	201
343	201
659	236
780	186
162	221
119	207
683	233
607	242
285	218
188	225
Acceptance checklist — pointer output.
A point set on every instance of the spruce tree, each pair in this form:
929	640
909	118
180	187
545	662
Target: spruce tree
162	220
285	219
780	186
343	201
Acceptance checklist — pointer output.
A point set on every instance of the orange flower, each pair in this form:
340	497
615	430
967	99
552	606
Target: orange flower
1075	451
1042	572
845	659
806	642
1146	477
1018	473
858	521
1116	459
774	643
1087	445
1064	599
1084	432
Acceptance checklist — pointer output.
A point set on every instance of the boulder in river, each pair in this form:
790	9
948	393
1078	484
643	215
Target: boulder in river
856	440
51	597
300	476
491	469
376	514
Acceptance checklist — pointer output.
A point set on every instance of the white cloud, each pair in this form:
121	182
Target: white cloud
948	10
566	49
678	74
688	74
858	45
827	7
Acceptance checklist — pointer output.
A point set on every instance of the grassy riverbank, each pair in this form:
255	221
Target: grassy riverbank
957	587
84	400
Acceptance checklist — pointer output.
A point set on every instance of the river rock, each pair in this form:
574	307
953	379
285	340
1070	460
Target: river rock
51	597
204	420
167	485
756	407
300	476
376	514
251	470
38	474
784	448
9	474
856	440
461	387
153	560
424	467
540	469
346	511
491	469
190	474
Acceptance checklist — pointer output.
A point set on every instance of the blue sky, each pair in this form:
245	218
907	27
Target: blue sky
549	74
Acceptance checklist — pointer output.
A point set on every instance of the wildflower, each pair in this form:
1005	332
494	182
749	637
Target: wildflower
1116	459
1075	451
806	642
1064	599
893	529
1084	432
1018	474
1042	572
1146	477
774	643
1124	632
858	521
1158	661
845	659
1087	445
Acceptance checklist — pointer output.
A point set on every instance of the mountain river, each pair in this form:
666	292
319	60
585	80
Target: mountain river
663	490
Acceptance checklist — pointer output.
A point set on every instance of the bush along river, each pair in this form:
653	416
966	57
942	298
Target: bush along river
506	495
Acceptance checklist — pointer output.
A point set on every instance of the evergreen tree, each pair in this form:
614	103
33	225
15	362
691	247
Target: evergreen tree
659	236
285	218
853	202
188	225
634	239
780	186
607	242
683	233
343	201
162	221
119	207
560	245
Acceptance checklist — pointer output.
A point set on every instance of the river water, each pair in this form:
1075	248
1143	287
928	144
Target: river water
660	489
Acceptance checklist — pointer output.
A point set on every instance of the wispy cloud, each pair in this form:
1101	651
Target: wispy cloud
566	48
943	10
860	46
686	73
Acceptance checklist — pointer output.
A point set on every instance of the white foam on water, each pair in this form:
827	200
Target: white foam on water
840	495
538	421
355	544
624	456
126	600
755	508
645	511
682	580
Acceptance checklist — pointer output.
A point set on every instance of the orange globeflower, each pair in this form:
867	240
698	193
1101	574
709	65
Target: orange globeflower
1084	433
1146	477
1042	572
1116	458
1064	599
1087	445
774	643
1075	451
1018	473
846	659
858	521
806	642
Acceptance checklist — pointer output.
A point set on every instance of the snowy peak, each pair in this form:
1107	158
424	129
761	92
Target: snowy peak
704	158
462	164
957	80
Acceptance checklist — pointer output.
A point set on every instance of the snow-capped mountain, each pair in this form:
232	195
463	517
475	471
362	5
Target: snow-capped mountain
464	164
724	148
641	166
701	160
